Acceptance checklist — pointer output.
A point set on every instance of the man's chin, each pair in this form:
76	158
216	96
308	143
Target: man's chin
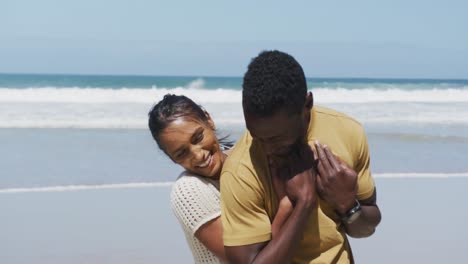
277	161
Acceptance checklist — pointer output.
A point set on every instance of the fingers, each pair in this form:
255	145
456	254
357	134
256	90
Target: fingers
319	184
349	171
315	157
324	164
344	166
339	160
332	158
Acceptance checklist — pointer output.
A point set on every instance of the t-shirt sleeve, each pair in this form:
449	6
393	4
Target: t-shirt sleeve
243	215
366	183
194	203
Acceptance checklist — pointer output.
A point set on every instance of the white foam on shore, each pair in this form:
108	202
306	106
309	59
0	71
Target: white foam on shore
105	108
222	95
86	187
168	184
134	116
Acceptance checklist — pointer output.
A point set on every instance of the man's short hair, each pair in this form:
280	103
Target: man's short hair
274	81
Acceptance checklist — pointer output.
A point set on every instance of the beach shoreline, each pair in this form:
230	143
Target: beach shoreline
136	225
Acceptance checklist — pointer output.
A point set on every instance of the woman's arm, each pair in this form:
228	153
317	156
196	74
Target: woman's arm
211	235
285	209
195	202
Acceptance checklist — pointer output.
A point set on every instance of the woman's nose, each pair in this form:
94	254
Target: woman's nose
197	154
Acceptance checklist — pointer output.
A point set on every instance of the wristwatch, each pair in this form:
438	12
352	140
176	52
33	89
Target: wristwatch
352	214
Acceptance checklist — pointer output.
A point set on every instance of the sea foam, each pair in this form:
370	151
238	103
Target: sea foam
68	188
74	107
220	95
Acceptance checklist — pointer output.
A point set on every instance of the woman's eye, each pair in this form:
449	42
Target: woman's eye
180	154
199	138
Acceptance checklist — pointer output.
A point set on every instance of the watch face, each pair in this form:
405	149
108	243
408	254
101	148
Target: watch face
352	214
355	215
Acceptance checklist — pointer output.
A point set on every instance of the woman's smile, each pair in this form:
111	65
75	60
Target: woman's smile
207	163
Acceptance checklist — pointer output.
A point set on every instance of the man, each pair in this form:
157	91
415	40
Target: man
330	199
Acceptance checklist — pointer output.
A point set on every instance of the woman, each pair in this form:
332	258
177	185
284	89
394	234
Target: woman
186	134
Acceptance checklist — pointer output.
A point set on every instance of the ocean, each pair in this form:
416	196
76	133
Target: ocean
63	130
82	181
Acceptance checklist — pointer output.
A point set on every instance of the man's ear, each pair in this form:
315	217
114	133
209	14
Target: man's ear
309	102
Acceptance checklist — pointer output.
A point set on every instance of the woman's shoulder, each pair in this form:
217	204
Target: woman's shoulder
194	201
192	185
186	178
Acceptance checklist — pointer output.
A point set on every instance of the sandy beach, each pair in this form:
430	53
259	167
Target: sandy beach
423	222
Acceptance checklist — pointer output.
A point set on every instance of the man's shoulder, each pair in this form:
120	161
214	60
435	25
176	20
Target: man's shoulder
342	133
240	154
332	118
327	113
245	162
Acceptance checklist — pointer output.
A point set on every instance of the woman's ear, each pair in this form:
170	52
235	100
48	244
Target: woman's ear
210	121
309	102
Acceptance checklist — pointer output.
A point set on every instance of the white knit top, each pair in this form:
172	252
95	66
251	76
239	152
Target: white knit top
196	200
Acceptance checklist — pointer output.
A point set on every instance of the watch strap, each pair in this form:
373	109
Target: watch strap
352	214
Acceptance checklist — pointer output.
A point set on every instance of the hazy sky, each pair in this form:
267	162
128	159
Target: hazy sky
410	39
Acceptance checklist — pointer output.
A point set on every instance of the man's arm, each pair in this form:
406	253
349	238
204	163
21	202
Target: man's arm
368	219
337	183
301	190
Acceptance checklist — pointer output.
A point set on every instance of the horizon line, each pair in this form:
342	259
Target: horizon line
227	76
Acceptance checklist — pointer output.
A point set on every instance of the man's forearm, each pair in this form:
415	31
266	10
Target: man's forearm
281	248
365	225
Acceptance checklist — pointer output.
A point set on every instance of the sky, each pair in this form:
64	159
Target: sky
376	39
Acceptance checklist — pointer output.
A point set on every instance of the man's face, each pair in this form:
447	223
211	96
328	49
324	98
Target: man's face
279	134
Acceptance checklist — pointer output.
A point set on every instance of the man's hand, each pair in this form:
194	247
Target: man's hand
336	181
298	175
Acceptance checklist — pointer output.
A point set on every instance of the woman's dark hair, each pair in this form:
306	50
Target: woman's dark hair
172	107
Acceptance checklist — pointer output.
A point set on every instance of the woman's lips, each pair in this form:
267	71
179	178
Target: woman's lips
207	163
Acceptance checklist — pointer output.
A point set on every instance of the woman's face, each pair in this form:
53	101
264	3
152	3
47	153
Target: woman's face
193	145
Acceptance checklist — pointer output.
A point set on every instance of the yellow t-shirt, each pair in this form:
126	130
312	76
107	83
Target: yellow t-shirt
249	202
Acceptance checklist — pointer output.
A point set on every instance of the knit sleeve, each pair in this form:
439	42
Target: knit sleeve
194	201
